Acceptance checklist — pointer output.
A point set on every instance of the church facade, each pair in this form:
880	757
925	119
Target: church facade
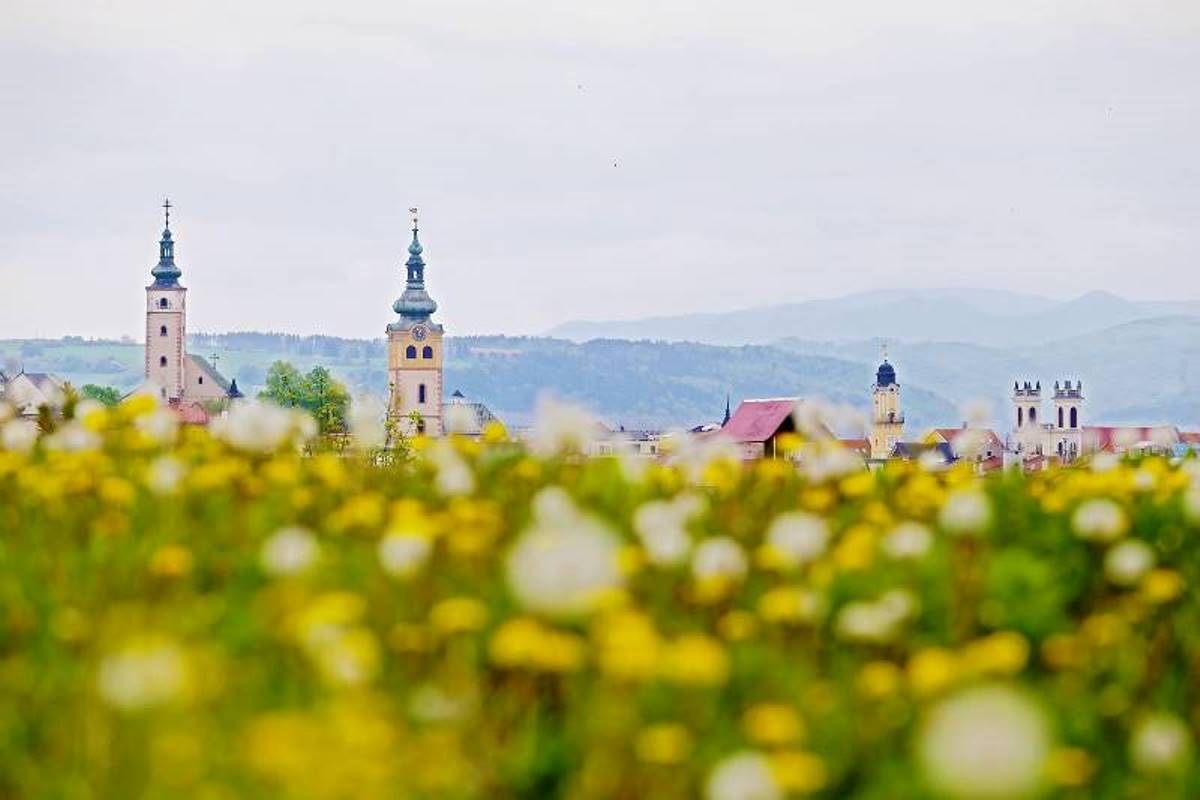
887	419
415	353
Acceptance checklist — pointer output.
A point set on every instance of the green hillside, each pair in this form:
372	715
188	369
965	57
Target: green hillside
628	383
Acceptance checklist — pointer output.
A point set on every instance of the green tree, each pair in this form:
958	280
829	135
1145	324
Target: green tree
317	392
101	394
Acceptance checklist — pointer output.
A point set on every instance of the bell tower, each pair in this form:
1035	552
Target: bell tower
415	352
887	419
166	324
1068	422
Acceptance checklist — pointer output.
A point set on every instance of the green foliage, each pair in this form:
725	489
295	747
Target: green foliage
316	392
105	395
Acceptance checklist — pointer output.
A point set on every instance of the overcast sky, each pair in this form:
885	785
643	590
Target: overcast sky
587	159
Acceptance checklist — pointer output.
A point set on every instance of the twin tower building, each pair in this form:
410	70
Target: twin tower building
184	380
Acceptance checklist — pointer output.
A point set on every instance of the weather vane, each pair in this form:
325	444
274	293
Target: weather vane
167	209
885	349
413	211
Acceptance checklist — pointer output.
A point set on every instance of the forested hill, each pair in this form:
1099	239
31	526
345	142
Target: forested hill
627	383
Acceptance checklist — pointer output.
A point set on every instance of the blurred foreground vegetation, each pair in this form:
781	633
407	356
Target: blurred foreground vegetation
232	614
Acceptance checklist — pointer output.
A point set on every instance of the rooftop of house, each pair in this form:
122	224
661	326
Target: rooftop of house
759	420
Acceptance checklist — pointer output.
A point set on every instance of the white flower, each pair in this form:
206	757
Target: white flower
459	418
289	551
1105	462
744	776
985	743
18	435
454	476
661	525
876	622
719	558
908	540
1144	480
1127	562
1099	520
366	420
160	425
402	554
262	427
797	538
73	437
826	460
145	672
561	427
164	474
966	511
1160	743
566	561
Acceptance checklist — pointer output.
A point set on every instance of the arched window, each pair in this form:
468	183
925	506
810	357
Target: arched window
421	393
411	352
1032	416
162	330
162	361
1060	416
200	379
1074	417
162	302
427	352
1020	416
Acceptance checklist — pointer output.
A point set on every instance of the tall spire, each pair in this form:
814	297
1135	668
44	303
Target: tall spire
415	305
166	273
725	421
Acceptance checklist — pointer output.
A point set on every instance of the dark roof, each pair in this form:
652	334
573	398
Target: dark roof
885	375
917	449
211	370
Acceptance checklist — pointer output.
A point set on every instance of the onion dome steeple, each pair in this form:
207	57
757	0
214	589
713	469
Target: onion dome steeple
166	274
415	305
886	374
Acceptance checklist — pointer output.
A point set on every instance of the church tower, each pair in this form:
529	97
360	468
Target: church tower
1068	425
166	325
887	420
415	353
1027	402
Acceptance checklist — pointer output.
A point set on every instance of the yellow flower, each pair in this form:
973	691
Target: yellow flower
933	670
737	626
459	615
361	512
798	771
858	485
1070	766
117	492
1064	651
627	644
856	551
171	561
772	724
790	605
665	743
879	679
695	660
1162	586
1003	653
525	643
406	637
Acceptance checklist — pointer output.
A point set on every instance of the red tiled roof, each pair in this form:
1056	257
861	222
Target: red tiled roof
1108	437
989	435
192	414
1189	437
758	420
856	445
992	464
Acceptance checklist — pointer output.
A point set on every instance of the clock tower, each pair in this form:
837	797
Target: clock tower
415	353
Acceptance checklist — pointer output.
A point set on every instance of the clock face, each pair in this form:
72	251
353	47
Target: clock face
418	333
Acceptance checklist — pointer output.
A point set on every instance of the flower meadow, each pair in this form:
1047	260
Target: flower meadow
238	612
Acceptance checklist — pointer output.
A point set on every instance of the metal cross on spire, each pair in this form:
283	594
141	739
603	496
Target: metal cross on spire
413	211
167	210
885	350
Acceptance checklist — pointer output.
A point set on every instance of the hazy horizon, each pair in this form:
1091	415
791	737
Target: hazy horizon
588	163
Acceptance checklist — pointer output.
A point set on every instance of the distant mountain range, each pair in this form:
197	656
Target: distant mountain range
975	316
1139	362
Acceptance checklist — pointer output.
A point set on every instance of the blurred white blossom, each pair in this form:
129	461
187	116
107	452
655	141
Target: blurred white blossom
743	776
18	435
289	551
719	557
966	511
1161	742
145	672
1099	520
402	554
797	538
366	418
263	427
908	540
661	525
1126	562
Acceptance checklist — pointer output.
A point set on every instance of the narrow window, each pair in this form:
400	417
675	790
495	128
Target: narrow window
1020	416
1032	416
162	302
427	352
1074	417
162	331
1060	416
411	352
200	379
421	393
162	361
